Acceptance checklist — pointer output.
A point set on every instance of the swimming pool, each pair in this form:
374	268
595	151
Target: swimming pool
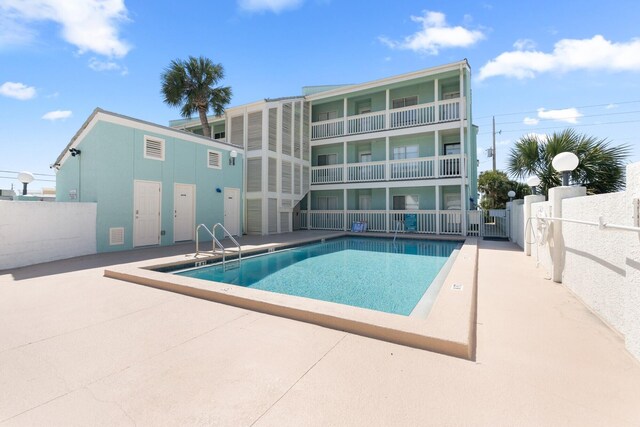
373	273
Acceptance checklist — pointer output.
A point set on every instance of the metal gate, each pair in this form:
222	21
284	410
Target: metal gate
494	224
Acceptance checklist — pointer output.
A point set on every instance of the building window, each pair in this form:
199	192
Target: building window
153	148
364	202
405	102
451	95
406	203
214	159
327	203
451	149
327	115
327	159
219	135
363	107
405	152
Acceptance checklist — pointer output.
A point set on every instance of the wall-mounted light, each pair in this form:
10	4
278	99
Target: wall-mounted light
25	178
511	195
533	182
74	152
565	163
232	157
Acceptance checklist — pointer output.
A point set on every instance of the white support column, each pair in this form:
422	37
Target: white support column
346	121
527	218
463	166
344	209
437	209
387	157
344	162
436	100
556	195
386	201
387	115
436	166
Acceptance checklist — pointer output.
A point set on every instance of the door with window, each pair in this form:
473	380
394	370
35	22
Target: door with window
147	197
183	212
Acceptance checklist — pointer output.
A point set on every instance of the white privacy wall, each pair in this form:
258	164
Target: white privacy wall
601	266
34	232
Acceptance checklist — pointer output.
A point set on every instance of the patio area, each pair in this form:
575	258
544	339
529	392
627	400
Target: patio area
77	348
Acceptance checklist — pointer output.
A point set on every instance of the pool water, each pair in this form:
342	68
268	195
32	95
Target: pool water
372	273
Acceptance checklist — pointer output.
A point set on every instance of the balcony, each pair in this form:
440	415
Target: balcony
392	170
416	115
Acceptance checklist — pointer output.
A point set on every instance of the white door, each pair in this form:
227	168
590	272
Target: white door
232	210
183	212
146	208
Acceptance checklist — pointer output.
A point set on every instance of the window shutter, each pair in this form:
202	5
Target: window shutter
296	179
273	216
273	174
254	139
305	132
154	148
273	129
254	174
305	179
286	177
285	222
254	216
214	159
296	129
286	129
237	130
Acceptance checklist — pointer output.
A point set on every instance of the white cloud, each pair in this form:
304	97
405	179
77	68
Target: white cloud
531	121
57	115
595	53
611	106
97	65
524	44
567	115
17	90
90	25
275	6
541	137
434	35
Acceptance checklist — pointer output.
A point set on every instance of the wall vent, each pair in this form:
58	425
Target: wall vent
116	236
214	159
153	148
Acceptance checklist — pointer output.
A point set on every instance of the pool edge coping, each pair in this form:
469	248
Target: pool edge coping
449	329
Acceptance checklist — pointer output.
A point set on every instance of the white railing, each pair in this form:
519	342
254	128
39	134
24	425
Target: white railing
370	171
412	116
412	169
450	222
474	219
326	220
327	128
415	115
326	174
374	220
303	216
423	222
449	111
369	122
449	166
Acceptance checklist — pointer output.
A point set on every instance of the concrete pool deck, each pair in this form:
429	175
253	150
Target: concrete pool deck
77	348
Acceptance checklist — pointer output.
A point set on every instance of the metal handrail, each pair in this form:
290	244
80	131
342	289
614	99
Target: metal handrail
214	240
230	237
600	224
396	233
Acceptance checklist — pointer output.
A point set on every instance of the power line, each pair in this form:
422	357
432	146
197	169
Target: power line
576	117
38	179
564	108
564	127
16	172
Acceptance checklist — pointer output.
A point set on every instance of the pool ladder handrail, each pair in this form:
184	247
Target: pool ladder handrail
395	235
216	242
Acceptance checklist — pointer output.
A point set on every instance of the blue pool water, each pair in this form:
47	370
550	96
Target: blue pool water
365	272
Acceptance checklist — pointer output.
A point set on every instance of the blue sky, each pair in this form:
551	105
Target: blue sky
537	66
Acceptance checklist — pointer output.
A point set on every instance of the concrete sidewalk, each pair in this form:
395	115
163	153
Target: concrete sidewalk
77	348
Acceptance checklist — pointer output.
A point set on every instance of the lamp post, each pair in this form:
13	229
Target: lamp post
511	195
565	163
533	182
232	157
25	178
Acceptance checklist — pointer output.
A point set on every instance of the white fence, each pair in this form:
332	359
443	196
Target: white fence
600	265
36	232
369	122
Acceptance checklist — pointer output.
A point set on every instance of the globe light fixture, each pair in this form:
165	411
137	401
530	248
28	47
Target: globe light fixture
232	157
565	163
533	182
511	195
25	178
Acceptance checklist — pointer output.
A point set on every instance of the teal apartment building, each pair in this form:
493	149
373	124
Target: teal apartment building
392	154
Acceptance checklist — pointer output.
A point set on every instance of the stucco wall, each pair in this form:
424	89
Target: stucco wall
36	232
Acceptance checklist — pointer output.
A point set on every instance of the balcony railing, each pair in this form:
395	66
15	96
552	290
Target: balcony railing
406	169
326	174
416	115
415	221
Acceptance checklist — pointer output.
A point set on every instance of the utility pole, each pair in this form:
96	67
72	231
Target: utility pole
493	153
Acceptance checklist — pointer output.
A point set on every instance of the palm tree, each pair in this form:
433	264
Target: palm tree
601	167
191	84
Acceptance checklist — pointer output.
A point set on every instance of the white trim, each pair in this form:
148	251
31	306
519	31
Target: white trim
149	138
209	152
